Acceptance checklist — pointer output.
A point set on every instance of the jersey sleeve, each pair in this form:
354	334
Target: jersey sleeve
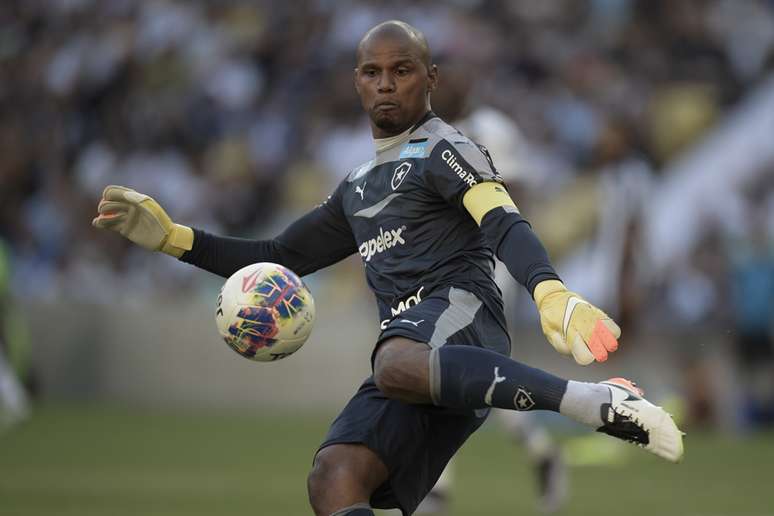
454	167
320	238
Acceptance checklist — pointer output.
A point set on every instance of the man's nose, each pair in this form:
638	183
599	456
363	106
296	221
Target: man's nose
386	82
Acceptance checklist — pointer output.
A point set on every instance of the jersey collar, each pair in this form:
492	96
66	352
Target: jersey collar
422	121
383	144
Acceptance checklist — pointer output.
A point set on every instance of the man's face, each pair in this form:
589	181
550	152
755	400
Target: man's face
393	83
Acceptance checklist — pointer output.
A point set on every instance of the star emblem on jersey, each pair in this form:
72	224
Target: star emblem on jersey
523	399
400	173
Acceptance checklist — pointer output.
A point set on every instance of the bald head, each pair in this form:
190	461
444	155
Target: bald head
394	77
400	32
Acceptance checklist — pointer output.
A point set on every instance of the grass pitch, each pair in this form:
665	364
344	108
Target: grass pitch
108	461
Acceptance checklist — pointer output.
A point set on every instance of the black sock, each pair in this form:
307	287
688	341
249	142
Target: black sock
468	377
360	509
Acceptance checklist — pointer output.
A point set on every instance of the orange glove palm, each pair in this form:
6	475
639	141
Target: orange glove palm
573	325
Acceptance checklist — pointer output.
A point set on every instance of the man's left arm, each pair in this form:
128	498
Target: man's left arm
571	324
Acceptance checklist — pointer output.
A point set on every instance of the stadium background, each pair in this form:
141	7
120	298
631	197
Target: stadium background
640	143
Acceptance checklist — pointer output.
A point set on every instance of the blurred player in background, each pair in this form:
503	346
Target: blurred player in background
499	134
14	405
751	256
427	215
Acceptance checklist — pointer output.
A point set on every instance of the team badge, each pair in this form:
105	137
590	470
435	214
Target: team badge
401	171
523	399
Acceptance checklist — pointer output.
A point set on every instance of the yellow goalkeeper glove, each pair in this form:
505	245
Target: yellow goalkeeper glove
574	326
140	219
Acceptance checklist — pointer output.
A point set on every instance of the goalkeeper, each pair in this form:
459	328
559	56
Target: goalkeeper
427	215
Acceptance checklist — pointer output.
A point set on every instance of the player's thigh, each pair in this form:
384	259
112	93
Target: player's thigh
347	470
401	370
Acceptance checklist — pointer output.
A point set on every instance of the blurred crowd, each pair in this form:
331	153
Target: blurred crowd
238	115
233	114
620	125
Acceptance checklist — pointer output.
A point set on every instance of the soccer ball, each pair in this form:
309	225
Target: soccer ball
264	312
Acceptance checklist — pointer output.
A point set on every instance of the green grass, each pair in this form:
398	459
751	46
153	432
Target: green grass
112	462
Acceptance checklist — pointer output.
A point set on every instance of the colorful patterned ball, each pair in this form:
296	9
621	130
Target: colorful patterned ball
265	312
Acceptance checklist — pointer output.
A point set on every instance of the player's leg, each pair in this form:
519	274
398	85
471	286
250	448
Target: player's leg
474	378
545	455
469	377
454	369
14	406
406	446
343	478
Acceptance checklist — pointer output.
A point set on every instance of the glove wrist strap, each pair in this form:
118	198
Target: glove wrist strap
179	241
544	288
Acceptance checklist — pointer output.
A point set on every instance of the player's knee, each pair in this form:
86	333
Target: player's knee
321	484
386	365
394	366
343	475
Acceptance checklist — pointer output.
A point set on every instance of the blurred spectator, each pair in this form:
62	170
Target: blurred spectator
14	354
752	281
224	110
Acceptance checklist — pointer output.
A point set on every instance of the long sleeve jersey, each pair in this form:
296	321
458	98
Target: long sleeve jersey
403	213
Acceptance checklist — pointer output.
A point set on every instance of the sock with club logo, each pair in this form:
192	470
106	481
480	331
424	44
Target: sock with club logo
468	377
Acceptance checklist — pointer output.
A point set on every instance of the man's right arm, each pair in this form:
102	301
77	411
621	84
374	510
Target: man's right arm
320	238
314	241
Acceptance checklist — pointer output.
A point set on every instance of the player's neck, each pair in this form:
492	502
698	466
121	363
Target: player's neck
382	144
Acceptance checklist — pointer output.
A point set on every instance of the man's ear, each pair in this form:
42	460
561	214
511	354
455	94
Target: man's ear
432	75
354	77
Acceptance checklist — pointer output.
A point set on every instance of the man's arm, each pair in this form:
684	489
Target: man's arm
571	324
316	240
510	235
320	238
465	176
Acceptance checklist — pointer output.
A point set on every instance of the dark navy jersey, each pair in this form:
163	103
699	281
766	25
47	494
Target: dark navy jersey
404	210
403	213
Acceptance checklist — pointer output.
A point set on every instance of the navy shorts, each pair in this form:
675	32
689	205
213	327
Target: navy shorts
416	442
